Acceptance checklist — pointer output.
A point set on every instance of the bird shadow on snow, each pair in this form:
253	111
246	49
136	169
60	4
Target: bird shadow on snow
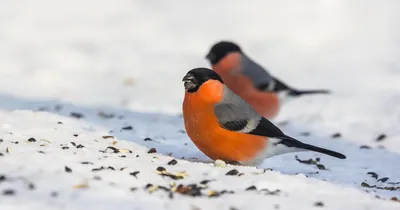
166	134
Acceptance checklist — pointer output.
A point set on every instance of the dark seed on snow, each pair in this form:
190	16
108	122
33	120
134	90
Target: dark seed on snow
251	188
383	179
152	150
133	189
59	123
148	186
76	135
87	163
14	142
2	178
31	186
73	143
319	204
123	156
42	152
98	169
67	169
373	174
161	169
134	173
148	139
64	147
381	137
204	182
1	154
54	194
365	147
137	155
76	115
305	133
172	162
80	146
127	128
321	167
9	192
232	172
366	185
97	178
32	140
111	168
336	135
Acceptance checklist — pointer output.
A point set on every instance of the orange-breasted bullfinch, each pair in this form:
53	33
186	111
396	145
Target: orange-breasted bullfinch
249	80
224	126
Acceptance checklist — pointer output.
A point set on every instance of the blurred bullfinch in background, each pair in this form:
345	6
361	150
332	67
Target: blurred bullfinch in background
250	81
224	126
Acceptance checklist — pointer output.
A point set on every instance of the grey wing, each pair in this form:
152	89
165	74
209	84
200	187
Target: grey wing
235	114
260	77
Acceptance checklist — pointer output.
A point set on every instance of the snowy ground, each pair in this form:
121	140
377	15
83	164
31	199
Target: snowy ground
117	67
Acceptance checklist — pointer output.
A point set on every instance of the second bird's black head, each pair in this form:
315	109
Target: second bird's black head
196	77
220	50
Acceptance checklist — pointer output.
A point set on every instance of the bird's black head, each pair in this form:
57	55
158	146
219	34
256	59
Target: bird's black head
196	77
220	50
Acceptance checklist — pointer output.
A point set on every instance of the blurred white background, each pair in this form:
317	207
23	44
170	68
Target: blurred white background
85	52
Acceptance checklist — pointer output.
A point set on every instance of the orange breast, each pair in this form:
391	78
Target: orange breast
217	143
266	104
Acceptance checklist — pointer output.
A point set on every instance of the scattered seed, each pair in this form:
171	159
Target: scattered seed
308	162
305	133
97	178
363	184
321	167
319	204
383	179
14	142
105	115
32	140
9	192
75	135
365	147
204	182
41	152
251	188
31	186
59	123
108	137
232	172
152	150
161	169
111	168
1	154
98	169
127	128
381	137
81	186
80	146
373	174
132	189
86	163
172	162
73	143
76	115
2	178
147	139
336	135
64	147
123	156
67	169
54	194
134	173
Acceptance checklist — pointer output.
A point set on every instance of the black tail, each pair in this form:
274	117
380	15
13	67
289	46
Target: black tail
307	92
291	142
280	86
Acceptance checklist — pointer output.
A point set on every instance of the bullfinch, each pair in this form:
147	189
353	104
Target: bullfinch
251	81
224	126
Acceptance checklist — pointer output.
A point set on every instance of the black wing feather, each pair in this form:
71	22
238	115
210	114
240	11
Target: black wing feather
235	125
267	129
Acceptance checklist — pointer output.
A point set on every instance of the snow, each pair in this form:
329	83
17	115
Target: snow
126	58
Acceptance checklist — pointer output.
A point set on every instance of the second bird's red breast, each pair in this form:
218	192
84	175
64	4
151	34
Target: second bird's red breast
204	130
266	104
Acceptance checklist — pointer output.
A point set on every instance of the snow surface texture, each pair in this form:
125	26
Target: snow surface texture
80	76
